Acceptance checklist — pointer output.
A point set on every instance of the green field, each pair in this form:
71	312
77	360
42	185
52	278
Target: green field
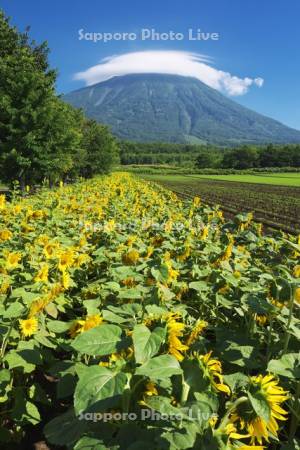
274	198
279	179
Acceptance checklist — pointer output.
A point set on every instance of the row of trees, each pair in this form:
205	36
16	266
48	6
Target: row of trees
160	153
204	156
40	135
248	157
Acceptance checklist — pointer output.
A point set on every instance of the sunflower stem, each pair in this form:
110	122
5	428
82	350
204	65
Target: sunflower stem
269	339
5	339
295	416
288	325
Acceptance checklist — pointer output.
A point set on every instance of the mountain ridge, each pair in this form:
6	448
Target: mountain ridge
174	108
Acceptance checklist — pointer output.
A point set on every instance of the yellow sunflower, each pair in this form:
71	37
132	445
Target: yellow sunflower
172	273
131	257
213	370
50	249
2	201
197	329
12	260
28	326
261	319
175	331
258	428
42	275
66	260
4	286
196	201
205	232
150	389
81	325
129	282
5	235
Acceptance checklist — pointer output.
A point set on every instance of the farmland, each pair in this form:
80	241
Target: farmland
277	179
119	300
274	198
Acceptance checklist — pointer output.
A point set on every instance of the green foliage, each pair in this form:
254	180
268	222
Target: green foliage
240	158
208	159
101	340
175	339
98	389
40	135
248	157
186	158
100	147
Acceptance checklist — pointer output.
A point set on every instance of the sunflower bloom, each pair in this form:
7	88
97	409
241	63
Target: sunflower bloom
257	427
66	280
175	331
261	319
172	273
131	257
5	235
129	282
224	289
28	326
92	321
79	326
231	431
50	250
204	233
2	201
37	306
150	389
42	275
196	201
213	370
66	260
4	287
12	260
198	328
228	252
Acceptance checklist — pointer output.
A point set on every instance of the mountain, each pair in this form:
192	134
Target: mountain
172	108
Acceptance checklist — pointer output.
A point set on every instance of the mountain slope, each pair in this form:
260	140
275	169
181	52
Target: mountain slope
172	108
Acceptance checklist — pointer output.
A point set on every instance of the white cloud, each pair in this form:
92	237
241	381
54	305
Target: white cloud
169	62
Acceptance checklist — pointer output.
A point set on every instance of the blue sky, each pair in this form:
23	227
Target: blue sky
257	39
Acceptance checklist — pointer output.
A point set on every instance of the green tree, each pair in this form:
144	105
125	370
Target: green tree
206	159
40	135
244	157
100	147
63	154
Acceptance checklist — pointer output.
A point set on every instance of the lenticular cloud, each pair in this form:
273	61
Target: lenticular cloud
168	62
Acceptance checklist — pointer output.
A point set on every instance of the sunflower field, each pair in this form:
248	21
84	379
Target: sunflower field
130	319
